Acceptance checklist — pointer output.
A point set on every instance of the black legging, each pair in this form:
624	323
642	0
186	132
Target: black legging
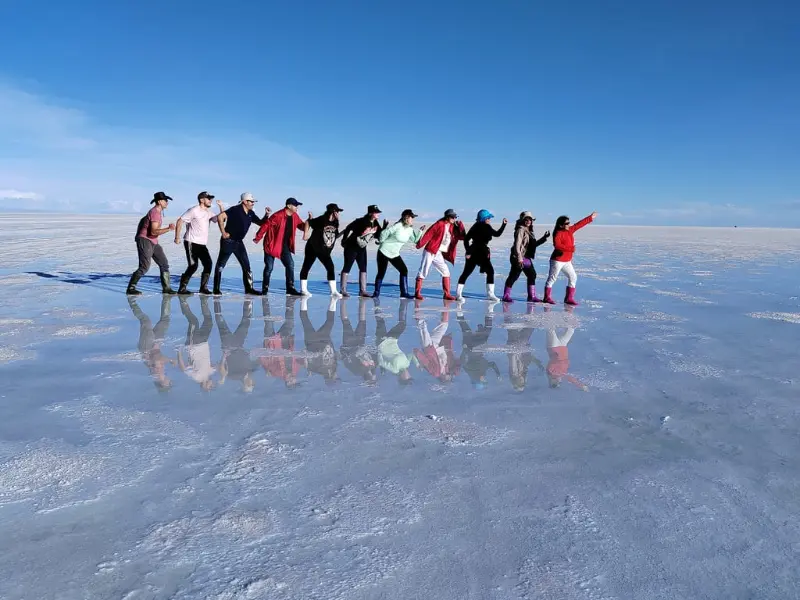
357	255
324	257
483	261
383	265
196	253
515	272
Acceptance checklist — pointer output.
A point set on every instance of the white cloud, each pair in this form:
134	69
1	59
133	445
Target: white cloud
18	195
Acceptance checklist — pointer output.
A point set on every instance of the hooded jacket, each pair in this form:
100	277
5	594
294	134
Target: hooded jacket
272	231
525	243
432	239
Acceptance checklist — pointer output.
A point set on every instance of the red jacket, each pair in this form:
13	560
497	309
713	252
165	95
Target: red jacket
432	239
564	241
274	228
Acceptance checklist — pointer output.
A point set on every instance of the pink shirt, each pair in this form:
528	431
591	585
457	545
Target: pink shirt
153	216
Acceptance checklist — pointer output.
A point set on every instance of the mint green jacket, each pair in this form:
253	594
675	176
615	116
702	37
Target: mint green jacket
395	237
391	358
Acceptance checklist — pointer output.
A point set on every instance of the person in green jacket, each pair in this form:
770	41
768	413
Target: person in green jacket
391	242
390	356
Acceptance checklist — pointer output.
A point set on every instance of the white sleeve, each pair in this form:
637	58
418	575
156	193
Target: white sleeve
187	216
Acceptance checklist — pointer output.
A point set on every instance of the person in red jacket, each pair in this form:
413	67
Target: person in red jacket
278	232
561	259
438	245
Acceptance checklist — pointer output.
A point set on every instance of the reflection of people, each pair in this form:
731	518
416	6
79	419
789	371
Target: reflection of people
355	355
285	367
236	362
436	355
558	365
519	361
318	342
390	357
475	363
198	365
150	342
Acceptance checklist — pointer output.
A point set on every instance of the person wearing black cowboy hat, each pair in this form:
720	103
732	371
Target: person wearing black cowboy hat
355	239
147	245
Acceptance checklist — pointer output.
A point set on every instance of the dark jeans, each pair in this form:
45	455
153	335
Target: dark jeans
397	263
149	252
480	260
324	257
235	247
352	255
288	262
515	272
196	253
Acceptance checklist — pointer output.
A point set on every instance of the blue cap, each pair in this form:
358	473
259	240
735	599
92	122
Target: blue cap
484	214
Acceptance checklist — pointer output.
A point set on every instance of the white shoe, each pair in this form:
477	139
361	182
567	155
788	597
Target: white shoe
490	293
460	292
304	288
303	302
334	292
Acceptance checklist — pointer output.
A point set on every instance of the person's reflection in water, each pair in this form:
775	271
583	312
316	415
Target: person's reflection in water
236	362
521	357
354	352
436	355
150	339
286	365
318	342
558	365
197	365
475	363
390	357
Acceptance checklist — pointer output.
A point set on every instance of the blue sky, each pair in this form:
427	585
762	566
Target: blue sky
651	113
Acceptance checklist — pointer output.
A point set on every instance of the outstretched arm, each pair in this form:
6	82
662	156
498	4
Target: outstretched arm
584	222
543	239
498	232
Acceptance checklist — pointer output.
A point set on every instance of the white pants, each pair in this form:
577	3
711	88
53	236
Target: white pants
556	267
436	261
555	341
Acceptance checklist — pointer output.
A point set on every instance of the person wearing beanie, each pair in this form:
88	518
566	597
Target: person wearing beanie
561	259
278	232
392	240
147	245
355	239
321	233
522	253
439	244
477	253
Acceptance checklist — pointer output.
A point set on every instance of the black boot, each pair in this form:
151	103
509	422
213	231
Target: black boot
132	285
182	289
165	286
292	291
217	282
204	284
247	279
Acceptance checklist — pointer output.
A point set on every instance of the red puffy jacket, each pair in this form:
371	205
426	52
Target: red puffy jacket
564	241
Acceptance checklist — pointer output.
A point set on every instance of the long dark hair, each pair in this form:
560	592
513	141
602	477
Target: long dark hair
560	223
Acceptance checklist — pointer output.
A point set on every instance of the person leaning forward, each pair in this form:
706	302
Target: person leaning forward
147	245
234	224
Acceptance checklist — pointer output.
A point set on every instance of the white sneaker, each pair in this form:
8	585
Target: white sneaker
460	292
490	293
304	288
334	292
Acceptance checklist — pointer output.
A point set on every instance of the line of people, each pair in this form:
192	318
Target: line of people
281	357
277	232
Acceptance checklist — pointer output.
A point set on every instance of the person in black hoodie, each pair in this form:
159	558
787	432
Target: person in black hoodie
355	239
476	246
321	233
522	253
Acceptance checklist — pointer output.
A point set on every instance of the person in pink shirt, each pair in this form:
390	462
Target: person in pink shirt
147	245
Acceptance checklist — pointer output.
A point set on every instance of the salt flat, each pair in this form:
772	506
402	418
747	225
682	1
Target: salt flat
659	462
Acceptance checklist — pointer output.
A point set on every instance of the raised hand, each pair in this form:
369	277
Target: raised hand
547	234
310	216
594	214
422	227
505	221
171	227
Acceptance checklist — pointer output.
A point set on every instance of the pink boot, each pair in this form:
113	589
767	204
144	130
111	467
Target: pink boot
532	294
570	297
507	295
548	299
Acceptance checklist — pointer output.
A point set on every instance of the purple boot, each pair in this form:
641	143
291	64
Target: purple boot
570	297
532	294
507	295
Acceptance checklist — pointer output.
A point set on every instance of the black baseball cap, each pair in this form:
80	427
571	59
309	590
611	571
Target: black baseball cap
450	213
202	195
373	208
408	213
159	196
333	207
293	202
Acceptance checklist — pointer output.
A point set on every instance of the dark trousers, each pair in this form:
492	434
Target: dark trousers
288	262
515	272
235	247
397	263
196	253
149	252
358	255
481	261
323	256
